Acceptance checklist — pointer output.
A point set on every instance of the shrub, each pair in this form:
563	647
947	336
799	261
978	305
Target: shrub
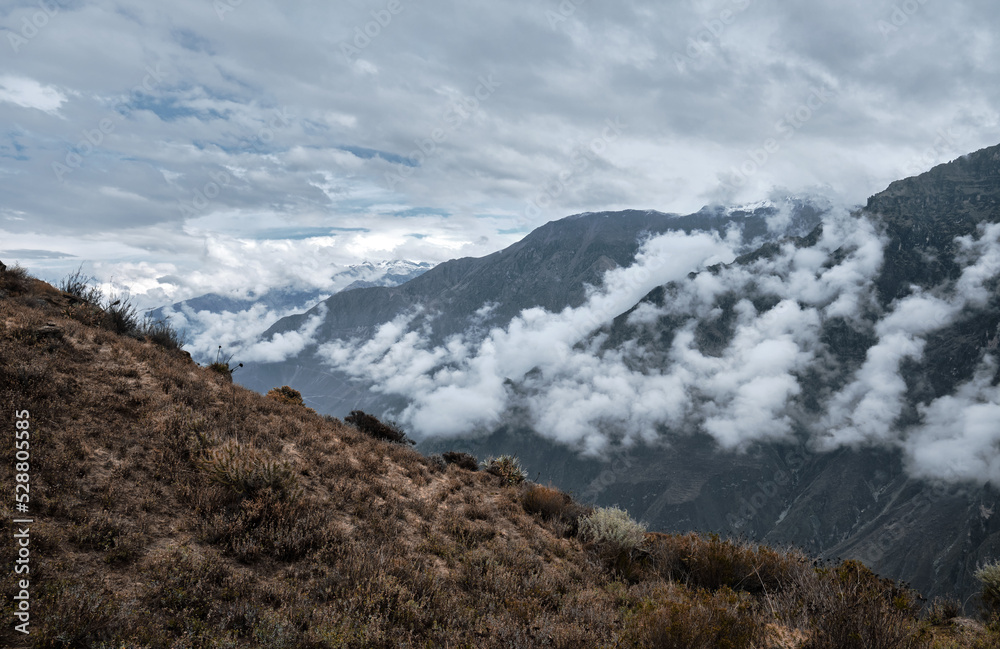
120	315
370	425
944	610
160	332
506	467
288	395
613	528
703	620
221	365
247	471
989	576
14	279
856	609
78	285
461	460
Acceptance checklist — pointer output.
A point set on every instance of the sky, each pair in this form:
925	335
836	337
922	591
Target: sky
226	145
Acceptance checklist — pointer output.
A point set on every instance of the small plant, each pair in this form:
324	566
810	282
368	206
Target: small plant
160	332
370	425
79	285
614	528
247	471
989	576
465	461
120	315
221	365
507	467
288	395
14	279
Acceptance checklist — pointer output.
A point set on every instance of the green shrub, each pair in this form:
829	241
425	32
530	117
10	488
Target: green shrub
989	576
613	528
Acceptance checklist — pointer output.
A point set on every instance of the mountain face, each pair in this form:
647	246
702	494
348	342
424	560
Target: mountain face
822	377
205	325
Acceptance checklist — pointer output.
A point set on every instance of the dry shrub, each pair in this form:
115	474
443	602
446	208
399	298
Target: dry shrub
989	576
701	620
853	608
247	471
14	280
371	426
77	615
465	461
554	506
288	395
712	563
612	528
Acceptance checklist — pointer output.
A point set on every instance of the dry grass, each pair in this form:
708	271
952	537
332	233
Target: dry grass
180	510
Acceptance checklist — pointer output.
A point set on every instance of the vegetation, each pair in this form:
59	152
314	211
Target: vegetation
176	510
371	426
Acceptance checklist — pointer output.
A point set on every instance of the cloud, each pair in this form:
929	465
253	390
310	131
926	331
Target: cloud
28	93
748	386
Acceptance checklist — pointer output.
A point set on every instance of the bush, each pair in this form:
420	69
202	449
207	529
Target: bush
370	425
507	467
120	315
613	528
461	460
247	471
160	332
221	365
288	395
703	620
989	576
78	285
14	279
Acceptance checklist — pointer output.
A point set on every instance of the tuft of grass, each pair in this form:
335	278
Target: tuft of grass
506	467
14	280
612	528
246	471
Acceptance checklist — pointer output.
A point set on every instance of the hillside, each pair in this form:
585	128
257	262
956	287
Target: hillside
172	508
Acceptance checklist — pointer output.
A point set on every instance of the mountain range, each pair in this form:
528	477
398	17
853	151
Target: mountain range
794	371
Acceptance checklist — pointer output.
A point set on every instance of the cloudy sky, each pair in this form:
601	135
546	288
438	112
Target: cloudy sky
205	145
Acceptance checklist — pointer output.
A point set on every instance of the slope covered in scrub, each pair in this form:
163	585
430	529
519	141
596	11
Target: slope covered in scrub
173	508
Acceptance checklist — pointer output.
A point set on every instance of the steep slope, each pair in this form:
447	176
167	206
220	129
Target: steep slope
170	507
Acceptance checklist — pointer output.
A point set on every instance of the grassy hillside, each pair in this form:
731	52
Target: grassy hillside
173	508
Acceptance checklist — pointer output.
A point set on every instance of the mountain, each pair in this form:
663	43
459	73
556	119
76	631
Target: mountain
825	378
170	507
252	313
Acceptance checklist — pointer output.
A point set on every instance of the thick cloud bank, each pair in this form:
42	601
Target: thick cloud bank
768	372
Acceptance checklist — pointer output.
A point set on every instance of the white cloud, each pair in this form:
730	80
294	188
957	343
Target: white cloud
29	93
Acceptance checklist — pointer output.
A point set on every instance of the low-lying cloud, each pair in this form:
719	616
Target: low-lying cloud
751	387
